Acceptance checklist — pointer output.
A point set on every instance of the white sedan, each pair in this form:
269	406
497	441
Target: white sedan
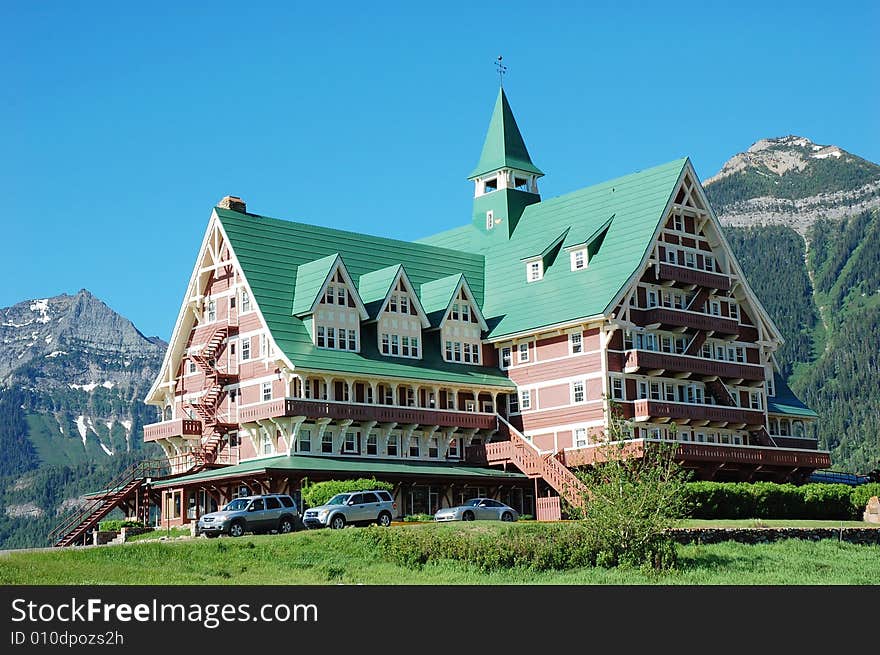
477	508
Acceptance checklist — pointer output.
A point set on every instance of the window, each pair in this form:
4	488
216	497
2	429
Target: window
671	256
372	445
391	449
404	304
476	353
327	442
433	447
352	340
755	400
523	352
505	358
617	388
350	442
395	344
576	343
320	338
520	184
467	352
715	308
414	447
266	391
490	220
414	345
690	260
392	303
341	296
331	337
525	399
455	311
264	348
771	386
512	403
580	437
655	391
578	260
343	336
534	271
448	351
678	223
245	349
305	441
410	397
577	391
192	366
245	301
734	310
404	346
652	298
212	310
330	295
456	351
466	312
266	445
386	347
453	448
669	390
709	263
490	185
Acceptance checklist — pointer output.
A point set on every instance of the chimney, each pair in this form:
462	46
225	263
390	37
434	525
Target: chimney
234	203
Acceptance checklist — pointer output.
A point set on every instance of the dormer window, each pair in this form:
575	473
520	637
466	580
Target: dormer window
534	271
578	259
490	220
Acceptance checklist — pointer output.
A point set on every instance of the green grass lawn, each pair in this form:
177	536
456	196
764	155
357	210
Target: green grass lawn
171	533
338	557
773	523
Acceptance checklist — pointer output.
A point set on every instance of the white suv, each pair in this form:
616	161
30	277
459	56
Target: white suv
352	508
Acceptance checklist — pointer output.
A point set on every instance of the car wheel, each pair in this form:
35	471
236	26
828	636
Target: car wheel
384	519
285	526
507	516
236	529
337	522
467	516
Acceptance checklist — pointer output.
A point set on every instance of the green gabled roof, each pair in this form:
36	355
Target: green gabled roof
785	402
270	251
513	305
373	287
310	278
504	146
548	255
437	295
582	235
344	465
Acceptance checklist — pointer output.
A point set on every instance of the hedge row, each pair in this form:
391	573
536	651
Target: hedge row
746	500
115	525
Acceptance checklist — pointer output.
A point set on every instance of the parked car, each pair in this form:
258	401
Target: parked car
477	508
352	508
256	514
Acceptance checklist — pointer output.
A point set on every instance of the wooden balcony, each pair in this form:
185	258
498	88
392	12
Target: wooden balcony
703	453
671	318
647	360
315	409
684	275
180	427
643	410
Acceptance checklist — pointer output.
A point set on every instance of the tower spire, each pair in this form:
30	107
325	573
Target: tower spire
502	70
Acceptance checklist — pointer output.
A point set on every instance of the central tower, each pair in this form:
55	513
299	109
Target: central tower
505	179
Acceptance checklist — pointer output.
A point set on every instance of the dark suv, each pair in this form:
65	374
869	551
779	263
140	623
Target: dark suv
352	508
251	514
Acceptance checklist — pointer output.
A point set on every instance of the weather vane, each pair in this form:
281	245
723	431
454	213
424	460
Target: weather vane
502	69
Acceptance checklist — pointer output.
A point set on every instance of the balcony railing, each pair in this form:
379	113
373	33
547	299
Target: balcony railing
669	317
652	360
717	453
644	409
180	427
314	409
693	276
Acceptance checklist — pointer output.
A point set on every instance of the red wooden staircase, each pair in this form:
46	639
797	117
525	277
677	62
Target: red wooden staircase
722	396
522	453
126	487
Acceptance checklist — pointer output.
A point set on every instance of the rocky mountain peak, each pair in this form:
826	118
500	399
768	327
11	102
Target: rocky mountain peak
78	333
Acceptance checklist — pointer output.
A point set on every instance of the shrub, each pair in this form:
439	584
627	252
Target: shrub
319	493
859	497
743	500
115	525
412	518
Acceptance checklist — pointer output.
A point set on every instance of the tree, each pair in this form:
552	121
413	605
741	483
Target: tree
632	500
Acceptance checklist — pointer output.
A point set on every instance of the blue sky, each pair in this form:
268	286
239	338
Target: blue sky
123	124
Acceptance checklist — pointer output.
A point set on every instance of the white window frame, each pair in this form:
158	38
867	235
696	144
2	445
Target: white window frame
245	301
245	350
305	437
618	389
534	271
349	443
525	400
505	360
523	351
575	343
579	437
578	259
578	388
265	392
212	311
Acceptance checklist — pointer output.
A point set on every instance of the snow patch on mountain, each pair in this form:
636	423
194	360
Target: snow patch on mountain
81	426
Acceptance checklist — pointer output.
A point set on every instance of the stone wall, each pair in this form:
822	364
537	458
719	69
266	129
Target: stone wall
766	535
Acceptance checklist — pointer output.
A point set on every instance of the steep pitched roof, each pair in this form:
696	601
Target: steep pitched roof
374	287
310	278
513	305
271	251
785	402
504	146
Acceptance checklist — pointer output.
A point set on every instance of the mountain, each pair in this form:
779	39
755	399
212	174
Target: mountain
73	374
792	181
809	215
